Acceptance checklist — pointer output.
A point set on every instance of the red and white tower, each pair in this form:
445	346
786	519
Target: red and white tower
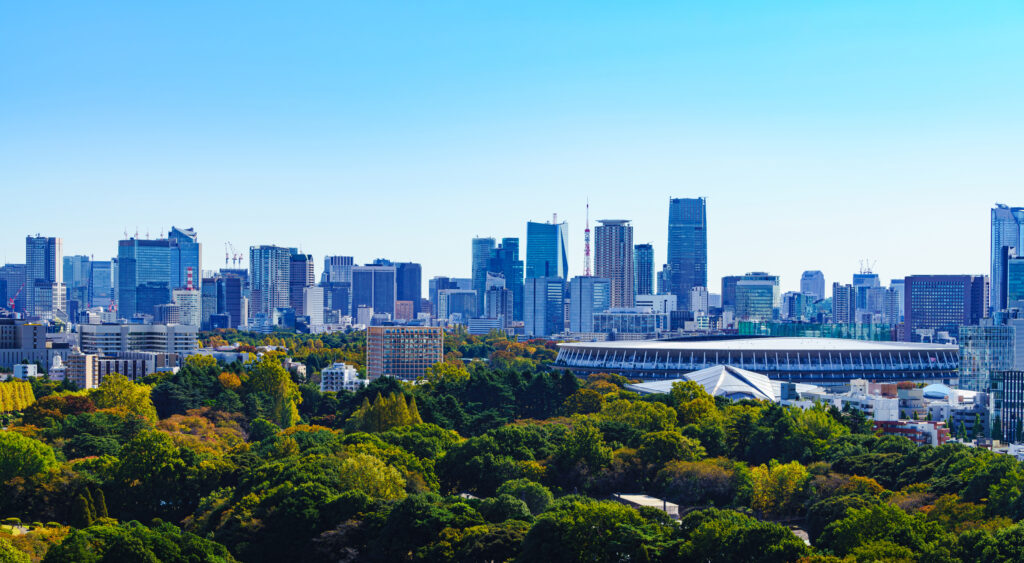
586	244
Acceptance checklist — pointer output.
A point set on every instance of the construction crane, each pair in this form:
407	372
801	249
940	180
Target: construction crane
10	302
236	257
867	266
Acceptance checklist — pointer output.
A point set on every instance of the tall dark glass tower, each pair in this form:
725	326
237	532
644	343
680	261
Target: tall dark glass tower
545	250
643	269
687	247
505	261
483	250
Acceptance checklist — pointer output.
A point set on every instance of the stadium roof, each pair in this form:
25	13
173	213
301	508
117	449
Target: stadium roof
724	381
765	343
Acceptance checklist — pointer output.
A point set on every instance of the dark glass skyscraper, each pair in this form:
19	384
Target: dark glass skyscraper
505	261
942	303
374	286
144	275
1007	231
687	247
545	250
409	284
483	249
189	254
643	269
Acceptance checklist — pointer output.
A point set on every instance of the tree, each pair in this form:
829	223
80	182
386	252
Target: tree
885	522
979	428
268	376
118	392
385	413
778	489
657	448
725	535
997	428
21	456
584	401
9	554
536	496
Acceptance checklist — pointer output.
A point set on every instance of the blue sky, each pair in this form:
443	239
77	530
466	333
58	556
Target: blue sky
821	133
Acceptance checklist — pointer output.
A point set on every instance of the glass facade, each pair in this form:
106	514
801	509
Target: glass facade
942	303
813	282
859	331
630	322
483	250
1014	281
374	287
409	285
587	296
189	254
1006	232
544	306
983	350
269	278
546	250
687	247
143	263
643	269
505	261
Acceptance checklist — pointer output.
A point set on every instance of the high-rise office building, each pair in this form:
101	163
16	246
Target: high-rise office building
14	277
844	303
546	250
374	287
101	283
665	280
699	299
44	275
189	254
757	296
942	303
983	351
269	278
338	269
499	302
587	296
687	247
459	304
812	282
1013	287
613	259
313	304
236	304
209	302
643	269
440	283
77	271
300	276
544	306
482	250
729	292
190	306
505	261
144	275
409	284
1007	231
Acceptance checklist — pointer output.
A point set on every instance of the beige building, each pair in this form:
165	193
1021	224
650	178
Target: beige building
404	352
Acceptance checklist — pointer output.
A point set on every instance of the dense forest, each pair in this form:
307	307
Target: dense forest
494	456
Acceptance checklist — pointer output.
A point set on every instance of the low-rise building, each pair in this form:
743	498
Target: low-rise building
87	371
341	377
116	339
25	371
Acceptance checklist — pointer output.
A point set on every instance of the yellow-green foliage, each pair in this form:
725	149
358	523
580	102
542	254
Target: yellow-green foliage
15	396
385	413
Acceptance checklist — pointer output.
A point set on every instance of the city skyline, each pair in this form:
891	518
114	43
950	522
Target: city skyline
835	129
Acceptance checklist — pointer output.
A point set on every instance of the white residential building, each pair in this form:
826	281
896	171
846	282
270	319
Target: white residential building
341	377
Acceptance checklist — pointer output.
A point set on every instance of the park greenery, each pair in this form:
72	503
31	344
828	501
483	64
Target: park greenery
494	455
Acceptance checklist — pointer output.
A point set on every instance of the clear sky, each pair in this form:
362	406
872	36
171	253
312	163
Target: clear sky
820	132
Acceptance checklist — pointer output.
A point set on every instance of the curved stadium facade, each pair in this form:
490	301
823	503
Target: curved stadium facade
821	361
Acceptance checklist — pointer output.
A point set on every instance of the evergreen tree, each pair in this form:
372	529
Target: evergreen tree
979	429
997	428
961	431
100	504
81	516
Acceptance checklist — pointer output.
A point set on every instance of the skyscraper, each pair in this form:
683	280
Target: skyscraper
844	303
643	269
44	275
813	282
687	247
544	306
613	255
587	296
757	296
101	282
409	284
505	261
1007	223
942	303
189	255
144	275
77	270
338	269
374	287
546	250
729	292
300	276
482	250
269	278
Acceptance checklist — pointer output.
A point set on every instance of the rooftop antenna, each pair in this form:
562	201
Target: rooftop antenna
554	218
586	244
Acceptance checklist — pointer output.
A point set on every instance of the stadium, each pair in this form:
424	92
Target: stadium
820	361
